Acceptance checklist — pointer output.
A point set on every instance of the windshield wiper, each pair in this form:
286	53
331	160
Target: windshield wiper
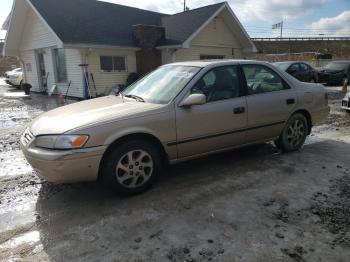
138	98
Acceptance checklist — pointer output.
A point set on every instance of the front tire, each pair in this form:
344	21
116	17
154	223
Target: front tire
132	167
19	87
294	134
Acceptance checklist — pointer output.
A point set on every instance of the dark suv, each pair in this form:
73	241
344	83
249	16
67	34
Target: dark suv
299	70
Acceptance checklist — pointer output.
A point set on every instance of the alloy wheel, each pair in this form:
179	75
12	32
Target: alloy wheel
134	168
295	133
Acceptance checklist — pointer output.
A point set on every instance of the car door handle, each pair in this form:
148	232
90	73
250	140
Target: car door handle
290	101
239	110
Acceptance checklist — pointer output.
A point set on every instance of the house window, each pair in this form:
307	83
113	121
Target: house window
61	66
210	57
113	63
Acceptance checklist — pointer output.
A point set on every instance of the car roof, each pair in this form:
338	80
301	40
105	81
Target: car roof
205	63
340	61
291	62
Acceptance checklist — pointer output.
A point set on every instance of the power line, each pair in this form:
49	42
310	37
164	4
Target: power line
298	29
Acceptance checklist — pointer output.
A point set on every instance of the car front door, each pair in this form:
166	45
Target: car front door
294	70
218	124
305	72
270	102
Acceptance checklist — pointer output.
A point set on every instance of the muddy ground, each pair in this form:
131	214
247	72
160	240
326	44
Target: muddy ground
252	204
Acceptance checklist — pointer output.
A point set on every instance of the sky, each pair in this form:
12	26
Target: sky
301	18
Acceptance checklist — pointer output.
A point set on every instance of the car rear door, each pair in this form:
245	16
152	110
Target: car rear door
305	73
218	124
270	102
294	70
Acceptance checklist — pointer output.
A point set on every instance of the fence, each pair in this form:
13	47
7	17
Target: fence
301	39
308	57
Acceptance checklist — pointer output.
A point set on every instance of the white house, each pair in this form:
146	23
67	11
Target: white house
52	38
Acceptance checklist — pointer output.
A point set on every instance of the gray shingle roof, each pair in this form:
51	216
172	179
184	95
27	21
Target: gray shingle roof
181	26
101	23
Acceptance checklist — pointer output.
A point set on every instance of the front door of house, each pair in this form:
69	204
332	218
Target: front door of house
42	71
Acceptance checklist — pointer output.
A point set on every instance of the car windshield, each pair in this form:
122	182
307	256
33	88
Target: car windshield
282	66
337	66
161	85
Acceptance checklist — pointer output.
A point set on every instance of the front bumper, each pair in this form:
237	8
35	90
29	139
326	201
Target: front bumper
61	166
13	81
346	105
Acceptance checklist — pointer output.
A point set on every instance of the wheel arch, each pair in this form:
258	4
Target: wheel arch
307	114
134	136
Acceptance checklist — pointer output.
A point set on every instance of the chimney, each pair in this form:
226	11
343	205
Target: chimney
147	38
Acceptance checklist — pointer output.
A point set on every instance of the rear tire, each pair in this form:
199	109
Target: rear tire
294	134
132	167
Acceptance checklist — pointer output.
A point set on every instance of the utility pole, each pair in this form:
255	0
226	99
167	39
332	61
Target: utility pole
282	29
278	26
186	8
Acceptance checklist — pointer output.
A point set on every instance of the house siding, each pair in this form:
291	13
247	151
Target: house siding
105	81
36	34
195	52
28	57
74	74
37	37
216	33
215	39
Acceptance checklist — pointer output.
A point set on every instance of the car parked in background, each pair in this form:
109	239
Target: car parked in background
335	73
300	70
178	112
14	77
346	103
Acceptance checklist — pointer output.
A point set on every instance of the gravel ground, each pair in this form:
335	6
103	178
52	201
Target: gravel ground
251	204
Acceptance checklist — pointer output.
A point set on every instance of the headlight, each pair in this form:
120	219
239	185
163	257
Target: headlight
61	142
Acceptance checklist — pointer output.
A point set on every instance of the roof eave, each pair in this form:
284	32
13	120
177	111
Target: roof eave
6	51
253	47
169	47
58	40
99	46
11	51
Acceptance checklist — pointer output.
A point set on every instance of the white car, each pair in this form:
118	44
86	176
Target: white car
346	103
14	77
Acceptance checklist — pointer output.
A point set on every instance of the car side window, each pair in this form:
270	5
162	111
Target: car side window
304	67
219	84
294	68
261	79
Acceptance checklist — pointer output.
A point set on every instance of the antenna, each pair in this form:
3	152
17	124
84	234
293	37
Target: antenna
186	8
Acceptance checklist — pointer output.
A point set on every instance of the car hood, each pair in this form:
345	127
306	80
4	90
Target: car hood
89	113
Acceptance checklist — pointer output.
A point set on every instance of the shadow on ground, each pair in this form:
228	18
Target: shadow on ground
205	209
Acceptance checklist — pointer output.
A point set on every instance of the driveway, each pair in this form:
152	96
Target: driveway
252	204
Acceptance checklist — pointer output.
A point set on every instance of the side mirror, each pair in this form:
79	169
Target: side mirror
194	100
